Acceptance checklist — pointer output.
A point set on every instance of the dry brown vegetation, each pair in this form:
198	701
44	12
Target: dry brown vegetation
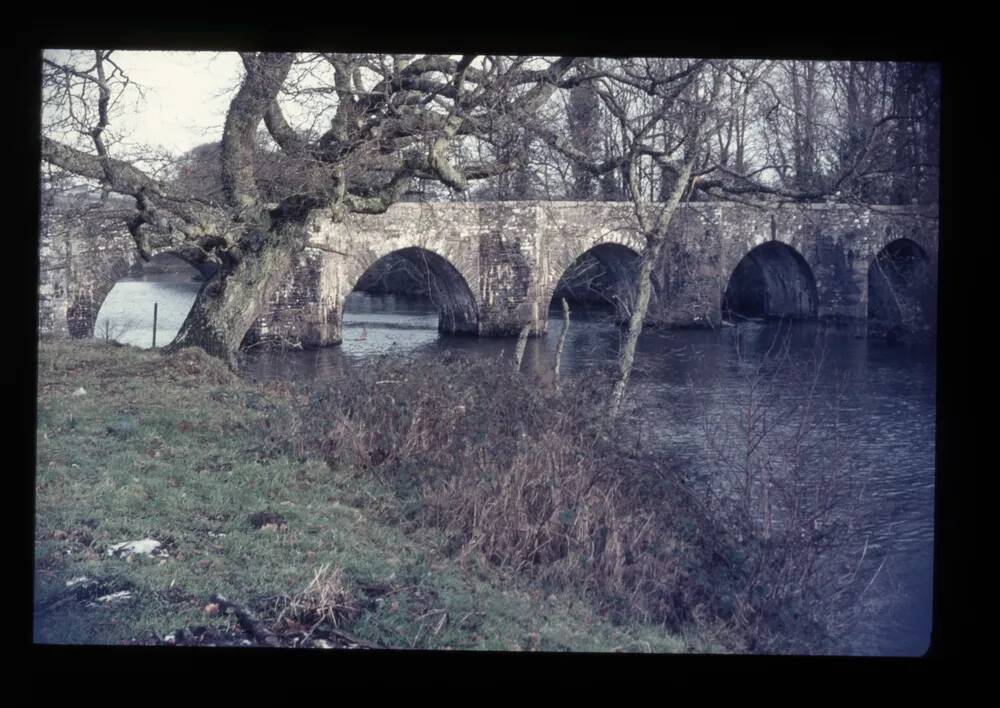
267	545
488	472
536	479
532	479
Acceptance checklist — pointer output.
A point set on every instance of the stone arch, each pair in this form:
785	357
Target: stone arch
901	292
91	291
168	271
447	287
773	280
608	270
90	254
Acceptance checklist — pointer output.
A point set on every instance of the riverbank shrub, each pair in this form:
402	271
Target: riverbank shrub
782	476
485	476
224	473
538	480
533	479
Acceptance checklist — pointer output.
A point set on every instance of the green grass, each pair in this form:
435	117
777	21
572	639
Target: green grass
180	450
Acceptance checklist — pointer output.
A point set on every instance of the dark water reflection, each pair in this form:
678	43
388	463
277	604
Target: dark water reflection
684	378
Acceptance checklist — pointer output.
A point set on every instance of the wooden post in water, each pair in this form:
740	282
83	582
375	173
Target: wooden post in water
155	305
107	331
522	341
562	338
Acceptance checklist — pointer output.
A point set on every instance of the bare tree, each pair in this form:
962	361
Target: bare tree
640	94
844	131
785	483
686	129
583	116
654	224
395	120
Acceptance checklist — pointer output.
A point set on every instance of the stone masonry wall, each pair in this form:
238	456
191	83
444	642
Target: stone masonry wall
506	259
80	260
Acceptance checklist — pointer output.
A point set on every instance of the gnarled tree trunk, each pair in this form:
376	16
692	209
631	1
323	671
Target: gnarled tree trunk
382	137
230	301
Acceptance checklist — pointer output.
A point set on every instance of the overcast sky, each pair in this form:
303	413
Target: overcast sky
186	96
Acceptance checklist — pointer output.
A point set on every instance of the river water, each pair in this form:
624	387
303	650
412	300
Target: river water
689	383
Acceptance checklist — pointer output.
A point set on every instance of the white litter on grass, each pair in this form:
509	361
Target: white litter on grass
115	596
73	582
80	391
145	547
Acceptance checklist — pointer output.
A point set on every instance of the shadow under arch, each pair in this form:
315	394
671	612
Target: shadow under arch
901	292
419	271
603	276
772	281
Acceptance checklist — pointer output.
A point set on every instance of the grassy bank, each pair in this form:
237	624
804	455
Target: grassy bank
255	496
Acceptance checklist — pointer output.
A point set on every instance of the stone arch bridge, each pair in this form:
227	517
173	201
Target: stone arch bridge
496	265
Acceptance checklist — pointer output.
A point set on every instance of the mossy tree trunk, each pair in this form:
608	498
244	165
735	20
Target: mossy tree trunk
229	302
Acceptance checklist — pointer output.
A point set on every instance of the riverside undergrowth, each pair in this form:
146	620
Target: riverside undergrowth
451	504
534	479
231	477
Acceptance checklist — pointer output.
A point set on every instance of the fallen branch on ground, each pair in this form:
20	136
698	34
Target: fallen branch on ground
249	623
